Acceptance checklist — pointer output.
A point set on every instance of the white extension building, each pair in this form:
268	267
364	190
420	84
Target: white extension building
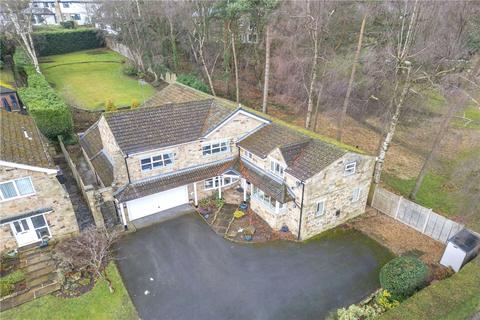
56	11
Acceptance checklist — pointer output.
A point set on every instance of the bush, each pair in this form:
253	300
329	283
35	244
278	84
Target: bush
50	42
7	283
194	82
402	276
110	106
135	104
51	114
68	24
129	70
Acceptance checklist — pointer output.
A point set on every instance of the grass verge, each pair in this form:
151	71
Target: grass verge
98	303
455	298
89	78
434	192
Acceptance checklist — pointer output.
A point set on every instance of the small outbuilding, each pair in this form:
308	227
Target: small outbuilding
461	248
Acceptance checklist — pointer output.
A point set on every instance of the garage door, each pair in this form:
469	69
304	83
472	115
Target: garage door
157	202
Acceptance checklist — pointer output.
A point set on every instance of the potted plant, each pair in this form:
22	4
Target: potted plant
248	233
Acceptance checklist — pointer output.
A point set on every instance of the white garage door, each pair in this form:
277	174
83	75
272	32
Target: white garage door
157	202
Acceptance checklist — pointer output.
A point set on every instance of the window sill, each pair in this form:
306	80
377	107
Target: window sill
18	197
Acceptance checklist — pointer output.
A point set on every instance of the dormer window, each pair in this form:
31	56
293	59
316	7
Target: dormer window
157	161
350	168
276	168
216	147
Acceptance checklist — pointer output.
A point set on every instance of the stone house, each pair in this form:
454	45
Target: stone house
182	147
33	203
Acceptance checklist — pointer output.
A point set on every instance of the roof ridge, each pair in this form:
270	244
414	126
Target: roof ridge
145	108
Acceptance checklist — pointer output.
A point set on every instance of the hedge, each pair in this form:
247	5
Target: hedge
51	42
403	276
50	112
194	82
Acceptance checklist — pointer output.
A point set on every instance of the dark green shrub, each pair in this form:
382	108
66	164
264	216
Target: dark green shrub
7	283
129	70
50	42
403	276
68	24
194	82
51	114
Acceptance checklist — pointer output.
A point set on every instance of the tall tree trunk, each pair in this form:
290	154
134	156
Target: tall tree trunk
392	127
267	69
207	73
173	43
436	144
319	98
346	101
313	77
235	63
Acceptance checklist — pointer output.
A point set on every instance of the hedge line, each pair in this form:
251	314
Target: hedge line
67	40
50	112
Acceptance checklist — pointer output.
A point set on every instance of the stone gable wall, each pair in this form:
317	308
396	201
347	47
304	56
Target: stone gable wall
336	189
49	193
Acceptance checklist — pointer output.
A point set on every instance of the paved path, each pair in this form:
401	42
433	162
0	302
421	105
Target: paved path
189	272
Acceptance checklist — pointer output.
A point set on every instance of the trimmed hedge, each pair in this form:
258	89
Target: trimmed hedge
403	276
50	112
194	82
51	42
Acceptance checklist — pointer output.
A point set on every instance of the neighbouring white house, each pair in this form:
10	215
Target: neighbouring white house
56	11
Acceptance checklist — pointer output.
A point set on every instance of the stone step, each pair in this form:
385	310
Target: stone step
30	295
34	259
39	272
42	279
32	267
31	254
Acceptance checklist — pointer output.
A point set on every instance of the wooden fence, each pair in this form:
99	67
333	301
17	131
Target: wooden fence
414	215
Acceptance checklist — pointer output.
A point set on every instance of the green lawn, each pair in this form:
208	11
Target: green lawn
433	193
6	77
89	78
455	298
98	303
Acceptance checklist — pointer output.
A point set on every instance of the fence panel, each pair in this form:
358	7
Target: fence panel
414	215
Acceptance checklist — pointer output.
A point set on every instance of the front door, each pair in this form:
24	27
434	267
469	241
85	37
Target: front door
24	231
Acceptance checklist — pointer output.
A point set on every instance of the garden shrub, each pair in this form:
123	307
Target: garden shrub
50	42
194	82
129	70
68	24
7	283
135	104
47	108
110	106
403	276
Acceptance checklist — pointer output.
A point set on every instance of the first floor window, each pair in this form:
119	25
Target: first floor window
16	188
159	161
276	168
217	147
320	209
356	194
350	168
248	154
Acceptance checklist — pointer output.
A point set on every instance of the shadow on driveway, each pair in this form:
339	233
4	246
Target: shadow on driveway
192	273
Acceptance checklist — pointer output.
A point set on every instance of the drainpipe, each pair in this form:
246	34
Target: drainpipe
301	210
126	165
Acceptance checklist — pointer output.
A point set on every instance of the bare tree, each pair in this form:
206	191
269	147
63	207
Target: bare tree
268	41
20	17
402	78
90	251
346	101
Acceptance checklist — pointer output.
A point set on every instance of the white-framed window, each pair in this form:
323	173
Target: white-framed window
248	155
320	208
215	147
276	168
350	168
213	183
66	4
75	16
357	191
266	200
16	189
158	161
40	226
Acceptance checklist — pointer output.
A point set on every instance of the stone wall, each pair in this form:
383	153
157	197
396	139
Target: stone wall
49	193
336	189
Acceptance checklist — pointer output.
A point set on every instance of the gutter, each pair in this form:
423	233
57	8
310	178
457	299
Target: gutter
301	210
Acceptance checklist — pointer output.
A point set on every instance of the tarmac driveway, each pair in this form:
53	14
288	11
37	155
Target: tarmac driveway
180	269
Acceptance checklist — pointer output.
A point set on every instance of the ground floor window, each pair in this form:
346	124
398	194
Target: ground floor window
265	199
40	225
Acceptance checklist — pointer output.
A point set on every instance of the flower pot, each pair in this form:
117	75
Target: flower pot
247	237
